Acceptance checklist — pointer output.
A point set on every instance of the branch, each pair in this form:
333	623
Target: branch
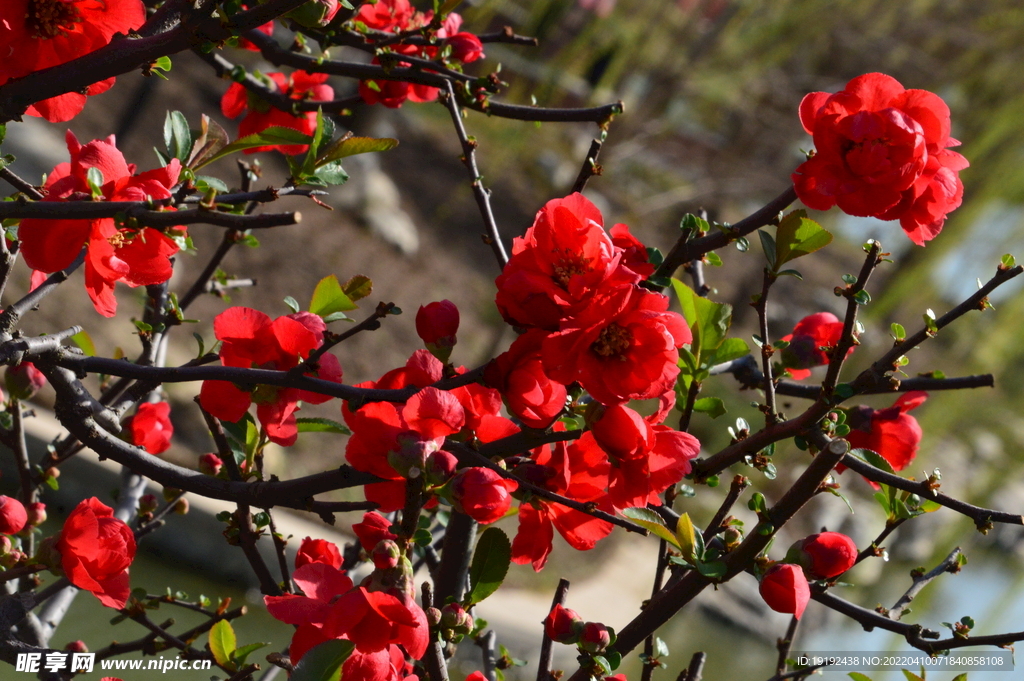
456	552
434	659
950	564
590	167
544	662
12	315
768	384
696	669
739	483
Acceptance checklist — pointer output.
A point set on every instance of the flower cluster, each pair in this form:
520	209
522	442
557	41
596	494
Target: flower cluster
380	616
563	625
250	339
259	115
881	151
135	256
397	16
38	34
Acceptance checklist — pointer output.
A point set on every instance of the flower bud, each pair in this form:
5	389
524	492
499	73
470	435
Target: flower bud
455	617
595	637
784	588
825	555
24	380
52	473
170	493
13	515
437	324
372	530
12	558
148	503
732	537
411	456
36	513
563	625
466	47
386	555
77	647
48	555
5	545
210	464
181	506
481	494
433	617
441	467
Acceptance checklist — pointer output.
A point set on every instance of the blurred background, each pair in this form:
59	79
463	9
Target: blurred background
711	89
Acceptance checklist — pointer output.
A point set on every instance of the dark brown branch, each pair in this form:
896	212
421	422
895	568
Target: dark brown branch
590	167
598	114
920	581
12	315
231	237
768	382
434	659
544	661
784	645
487	643
696	669
371	323
837	356
455	556
142	214
876	545
21	185
869	619
739	483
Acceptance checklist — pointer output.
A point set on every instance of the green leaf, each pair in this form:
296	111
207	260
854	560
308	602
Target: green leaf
713	570
163	63
223	643
310	163
321	425
271	136
768	244
323	663
883	501
1008	261
713	259
291	303
694	223
84	341
329	297
709	321
897	331
448	6
797	235
491	559
873	458
730	349
211	138
357	287
240	655
177	136
332	173
712	406
3	134
687	538
911	676
648	519
350	146
857	676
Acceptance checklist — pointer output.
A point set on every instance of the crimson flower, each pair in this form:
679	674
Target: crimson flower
563	625
785	589
810	335
260	115
436	325
639	481
251	339
892	433
559	264
13	515
151	427
137	257
882	151
519	376
374	529
24	380
825	555
386	15
95	551
623	346
38	34
318	551
482	494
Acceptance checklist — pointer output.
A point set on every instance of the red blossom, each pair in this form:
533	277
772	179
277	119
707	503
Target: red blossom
260	115
374	529
519	375
151	427
810	335
882	151
466	47
96	550
784	588
827	554
136	257
318	551
24	380
639	481
563	625
892	433
38	34
251	339
13	515
481	494
386	15
436	325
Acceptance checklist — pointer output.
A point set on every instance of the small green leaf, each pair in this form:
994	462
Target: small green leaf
223	643
1008	261
329	297
331	174
323	663
693	223
768	244
911	676
292	303
273	135
357	287
791	273
712	406
84	341
797	235
713	570
730	349
857	676
491	559
321	425
240	655
687	537
849	279
873	458
649	520
862	297
897	331
177	136
712	259
350	146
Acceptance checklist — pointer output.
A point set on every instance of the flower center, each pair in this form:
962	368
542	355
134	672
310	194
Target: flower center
49	18
613	341
117	239
568	266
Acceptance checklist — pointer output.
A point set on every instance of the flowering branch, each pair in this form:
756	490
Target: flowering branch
847	340
950	564
544	660
590	167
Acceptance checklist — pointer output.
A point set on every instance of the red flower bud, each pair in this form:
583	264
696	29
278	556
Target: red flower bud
455	617
151	427
437	324
181	506
386	555
372	530
77	647
12	515
148	503
481	494
562	625
466	47
24	380
829	554
410	458
784	588
317	551
210	464
433	616
595	637
36	513
441	467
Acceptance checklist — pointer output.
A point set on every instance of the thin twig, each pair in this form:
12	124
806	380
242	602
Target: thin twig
950	564
590	167
544	661
696	669
768	384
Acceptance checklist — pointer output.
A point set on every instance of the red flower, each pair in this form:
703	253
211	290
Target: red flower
251	339
261	115
519	375
136	257
892	432
321	584
374	619
24	380
386	15
813	332
623	346
437	324
623	433
482	494
96	549
374	529
317	551
38	34
556	268
394	93
563	625
151	427
466	47
210	464
882	151
784	588
13	515
826	554
639	481
634	254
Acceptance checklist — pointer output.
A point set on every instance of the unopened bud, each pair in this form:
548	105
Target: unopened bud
595	637
210	464
563	625
181	506
148	503
411	457
455	617
77	647
732	537
36	513
12	558
170	493
441	467
24	380
433	617
386	555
